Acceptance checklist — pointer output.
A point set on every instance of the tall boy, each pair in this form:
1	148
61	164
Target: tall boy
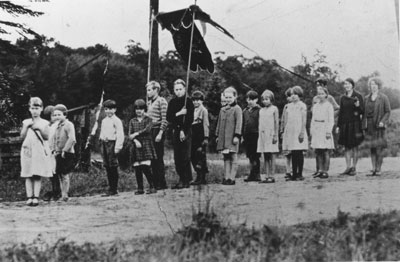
62	146
200	134
250	135
181	119
157	111
112	140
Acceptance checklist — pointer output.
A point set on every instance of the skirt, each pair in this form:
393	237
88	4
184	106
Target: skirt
350	135
374	137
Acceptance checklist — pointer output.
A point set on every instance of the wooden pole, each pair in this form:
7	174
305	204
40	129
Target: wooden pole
189	59
153	48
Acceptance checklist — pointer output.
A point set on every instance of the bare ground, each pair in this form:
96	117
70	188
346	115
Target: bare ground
99	219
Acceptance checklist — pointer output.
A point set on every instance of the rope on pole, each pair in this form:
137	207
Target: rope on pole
189	59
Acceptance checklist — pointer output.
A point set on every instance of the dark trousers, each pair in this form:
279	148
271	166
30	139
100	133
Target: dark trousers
198	154
297	163
323	159
64	165
250	142
146	170
55	184
157	165
182	155
111	164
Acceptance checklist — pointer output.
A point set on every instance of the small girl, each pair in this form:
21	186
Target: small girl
295	132
283	129
322	122
35	152
228	133
143	150
268	128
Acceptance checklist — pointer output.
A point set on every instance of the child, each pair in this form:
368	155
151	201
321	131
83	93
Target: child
181	118
55	192
157	111
143	150
35	151
250	135
228	132
112	140
285	151
62	146
295	132
200	134
268	129
322	122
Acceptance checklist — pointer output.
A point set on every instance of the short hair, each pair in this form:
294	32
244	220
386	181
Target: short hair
297	90
288	92
269	94
62	108
179	82
198	95
154	85
321	81
351	81
35	101
111	104
48	111
252	95
230	90
140	104
376	80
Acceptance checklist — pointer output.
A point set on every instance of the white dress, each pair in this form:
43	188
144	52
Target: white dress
321	124
35	156
294	113
268	118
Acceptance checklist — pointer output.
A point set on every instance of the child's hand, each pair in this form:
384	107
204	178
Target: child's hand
182	136
137	143
158	137
117	150
381	124
205	142
274	140
216	140
183	111
235	140
134	135
301	137
337	130
63	154
328	136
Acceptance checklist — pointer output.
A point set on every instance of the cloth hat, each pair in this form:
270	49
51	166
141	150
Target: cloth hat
140	103
61	108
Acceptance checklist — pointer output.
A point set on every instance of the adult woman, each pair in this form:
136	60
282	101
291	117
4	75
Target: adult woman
375	119
349	125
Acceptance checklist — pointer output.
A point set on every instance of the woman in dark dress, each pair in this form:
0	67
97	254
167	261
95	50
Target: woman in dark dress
349	125
375	120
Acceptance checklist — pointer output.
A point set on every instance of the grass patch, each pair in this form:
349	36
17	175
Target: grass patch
366	237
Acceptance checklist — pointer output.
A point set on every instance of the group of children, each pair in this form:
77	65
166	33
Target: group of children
257	127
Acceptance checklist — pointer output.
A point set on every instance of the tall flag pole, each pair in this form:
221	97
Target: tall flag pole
190	57
396	7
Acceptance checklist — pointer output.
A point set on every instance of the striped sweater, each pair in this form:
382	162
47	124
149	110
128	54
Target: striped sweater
157	111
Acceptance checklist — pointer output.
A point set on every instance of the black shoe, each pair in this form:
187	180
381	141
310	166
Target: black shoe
139	192
48	196
229	182
316	174
161	187
352	172
324	175
268	180
195	183
346	172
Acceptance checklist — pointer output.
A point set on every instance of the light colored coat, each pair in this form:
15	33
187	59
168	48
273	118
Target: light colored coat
229	125
322	122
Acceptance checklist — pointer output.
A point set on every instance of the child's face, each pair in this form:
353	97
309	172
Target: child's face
197	103
295	97
139	112
374	87
251	102
321	95
229	98
347	86
151	92
266	101
58	115
110	111
179	90
35	110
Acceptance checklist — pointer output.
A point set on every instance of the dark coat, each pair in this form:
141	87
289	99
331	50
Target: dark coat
381	111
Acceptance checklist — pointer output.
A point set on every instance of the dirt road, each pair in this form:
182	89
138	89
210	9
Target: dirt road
99	219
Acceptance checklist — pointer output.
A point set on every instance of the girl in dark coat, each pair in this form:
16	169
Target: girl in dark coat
143	149
349	125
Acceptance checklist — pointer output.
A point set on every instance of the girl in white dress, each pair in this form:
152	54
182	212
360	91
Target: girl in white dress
268	129
322	122
295	132
35	151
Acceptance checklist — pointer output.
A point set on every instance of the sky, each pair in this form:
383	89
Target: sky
357	36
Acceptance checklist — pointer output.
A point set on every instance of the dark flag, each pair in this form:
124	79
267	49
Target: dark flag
179	23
